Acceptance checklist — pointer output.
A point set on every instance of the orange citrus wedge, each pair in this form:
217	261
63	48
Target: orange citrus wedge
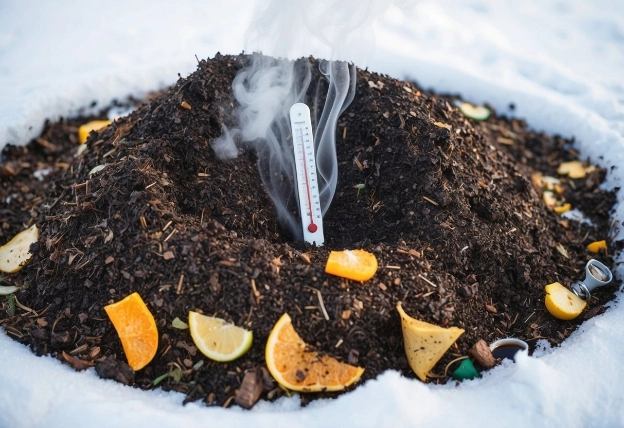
298	369
136	328
596	246
358	265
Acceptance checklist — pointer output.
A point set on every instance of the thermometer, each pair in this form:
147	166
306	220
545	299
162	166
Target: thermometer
307	182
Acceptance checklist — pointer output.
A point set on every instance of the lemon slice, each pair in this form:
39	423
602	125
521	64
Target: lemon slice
562	303
217	339
16	253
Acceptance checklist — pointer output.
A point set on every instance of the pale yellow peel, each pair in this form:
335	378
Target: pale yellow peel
425	343
94	125
573	169
217	339
16	253
562	303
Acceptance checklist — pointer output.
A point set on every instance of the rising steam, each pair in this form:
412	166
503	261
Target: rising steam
267	87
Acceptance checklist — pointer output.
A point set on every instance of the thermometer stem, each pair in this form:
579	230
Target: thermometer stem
312	227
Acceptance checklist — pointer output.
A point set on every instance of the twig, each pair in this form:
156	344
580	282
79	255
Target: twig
170	235
454	361
430	200
180	284
320	298
427	281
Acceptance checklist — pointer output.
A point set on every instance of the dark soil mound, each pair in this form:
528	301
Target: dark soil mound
462	236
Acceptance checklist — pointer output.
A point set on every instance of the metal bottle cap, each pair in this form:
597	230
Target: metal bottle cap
596	275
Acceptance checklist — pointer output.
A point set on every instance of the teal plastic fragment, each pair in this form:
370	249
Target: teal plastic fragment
466	370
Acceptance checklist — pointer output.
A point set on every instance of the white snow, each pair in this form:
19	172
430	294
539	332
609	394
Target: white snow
559	62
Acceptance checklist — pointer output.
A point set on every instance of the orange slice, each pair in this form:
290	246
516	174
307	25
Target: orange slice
596	246
136	328
298	369
358	265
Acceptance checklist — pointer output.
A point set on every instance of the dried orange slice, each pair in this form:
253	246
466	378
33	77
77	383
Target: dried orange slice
358	265
136	328
94	125
298	369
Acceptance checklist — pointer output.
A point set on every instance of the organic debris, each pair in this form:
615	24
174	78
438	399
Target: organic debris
449	214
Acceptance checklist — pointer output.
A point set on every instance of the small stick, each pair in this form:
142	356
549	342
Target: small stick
427	281
339	343
167	225
452	362
180	284
170	235
430	200
253	287
320	298
391	267
533	313
150	185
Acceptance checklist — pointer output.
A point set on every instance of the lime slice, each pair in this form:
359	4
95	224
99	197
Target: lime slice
217	339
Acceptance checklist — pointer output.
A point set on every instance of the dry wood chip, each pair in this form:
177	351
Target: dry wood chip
185	105
481	352
168	255
77	363
491	309
109	260
305	257
251	389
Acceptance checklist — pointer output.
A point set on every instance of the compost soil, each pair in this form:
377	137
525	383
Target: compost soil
461	234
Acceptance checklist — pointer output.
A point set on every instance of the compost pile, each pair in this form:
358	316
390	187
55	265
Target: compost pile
461	234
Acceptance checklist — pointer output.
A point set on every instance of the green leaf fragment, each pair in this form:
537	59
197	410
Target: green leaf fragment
11	303
179	324
160	379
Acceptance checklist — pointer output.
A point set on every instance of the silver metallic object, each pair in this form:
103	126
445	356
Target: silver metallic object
596	275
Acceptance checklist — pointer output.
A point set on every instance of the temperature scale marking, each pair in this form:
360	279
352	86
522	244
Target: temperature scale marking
307	183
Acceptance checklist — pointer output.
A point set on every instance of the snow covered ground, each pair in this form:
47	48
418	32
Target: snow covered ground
559	62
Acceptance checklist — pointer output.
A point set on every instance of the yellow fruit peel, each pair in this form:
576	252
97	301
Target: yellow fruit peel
563	208
358	265
596	246
573	169
218	339
16	253
94	125
425	343
549	199
562	303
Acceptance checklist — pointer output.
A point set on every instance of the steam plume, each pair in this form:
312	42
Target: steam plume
267	87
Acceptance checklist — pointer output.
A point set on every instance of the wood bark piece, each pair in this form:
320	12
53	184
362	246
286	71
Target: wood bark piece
481	352
250	390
